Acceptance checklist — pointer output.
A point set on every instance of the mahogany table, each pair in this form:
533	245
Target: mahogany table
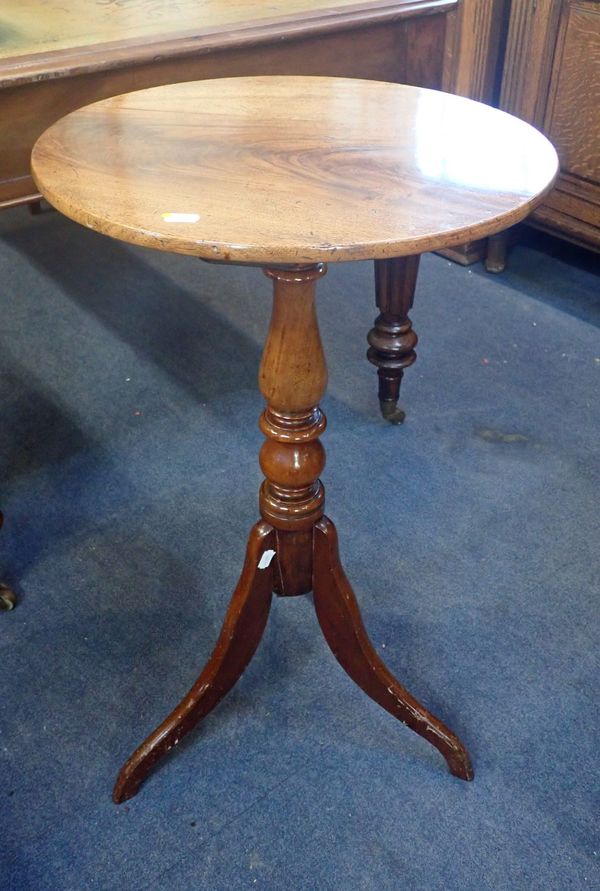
289	173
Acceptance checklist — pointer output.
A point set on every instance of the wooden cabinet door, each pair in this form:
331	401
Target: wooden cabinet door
572	119
572	122
552	79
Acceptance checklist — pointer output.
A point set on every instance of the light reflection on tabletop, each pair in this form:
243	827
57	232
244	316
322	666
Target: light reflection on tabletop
454	147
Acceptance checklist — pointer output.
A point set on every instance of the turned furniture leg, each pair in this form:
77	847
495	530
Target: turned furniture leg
294	548
341	623
241	633
392	340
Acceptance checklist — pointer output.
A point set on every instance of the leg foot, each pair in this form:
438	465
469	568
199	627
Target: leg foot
341	623
391	411
497	251
39	206
8	599
241	633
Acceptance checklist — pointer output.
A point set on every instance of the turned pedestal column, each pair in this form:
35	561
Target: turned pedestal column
293	378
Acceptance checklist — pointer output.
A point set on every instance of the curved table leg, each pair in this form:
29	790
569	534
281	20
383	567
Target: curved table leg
392	340
241	633
341	623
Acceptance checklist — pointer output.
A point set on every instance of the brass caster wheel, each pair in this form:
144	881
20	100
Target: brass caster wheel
391	411
8	600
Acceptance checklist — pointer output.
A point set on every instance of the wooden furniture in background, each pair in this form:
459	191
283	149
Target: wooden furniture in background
224	170
552	79
477	47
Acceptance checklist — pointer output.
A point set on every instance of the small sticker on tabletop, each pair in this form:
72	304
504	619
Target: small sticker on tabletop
181	217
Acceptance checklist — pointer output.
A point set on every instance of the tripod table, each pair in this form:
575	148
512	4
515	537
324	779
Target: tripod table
288	174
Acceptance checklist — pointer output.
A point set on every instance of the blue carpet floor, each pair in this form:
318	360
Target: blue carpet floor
471	535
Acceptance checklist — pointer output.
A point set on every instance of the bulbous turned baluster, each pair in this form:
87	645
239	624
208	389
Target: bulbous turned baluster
392	340
293	378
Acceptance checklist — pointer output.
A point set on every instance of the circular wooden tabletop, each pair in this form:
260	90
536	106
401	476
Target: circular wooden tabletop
293	169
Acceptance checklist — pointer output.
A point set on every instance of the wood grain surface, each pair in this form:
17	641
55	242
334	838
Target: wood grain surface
293	169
